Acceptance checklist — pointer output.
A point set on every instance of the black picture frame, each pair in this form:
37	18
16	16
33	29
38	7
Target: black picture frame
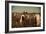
7	16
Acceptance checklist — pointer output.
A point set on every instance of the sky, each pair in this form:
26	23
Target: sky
28	9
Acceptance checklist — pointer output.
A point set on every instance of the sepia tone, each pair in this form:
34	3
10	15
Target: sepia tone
26	16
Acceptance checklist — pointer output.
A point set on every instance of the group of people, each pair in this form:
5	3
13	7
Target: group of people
26	20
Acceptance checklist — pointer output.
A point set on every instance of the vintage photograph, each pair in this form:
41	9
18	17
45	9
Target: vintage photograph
26	16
